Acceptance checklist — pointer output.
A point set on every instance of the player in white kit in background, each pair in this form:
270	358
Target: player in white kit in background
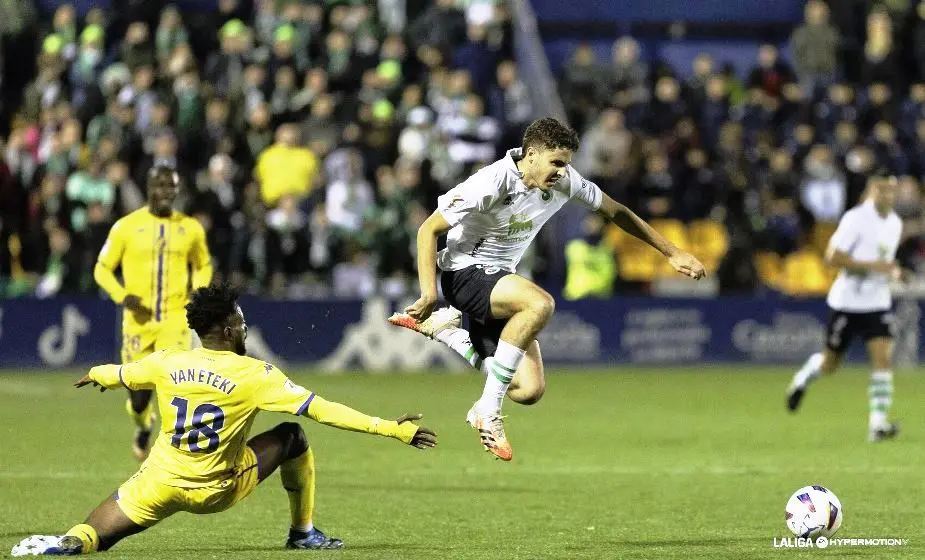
864	248
492	218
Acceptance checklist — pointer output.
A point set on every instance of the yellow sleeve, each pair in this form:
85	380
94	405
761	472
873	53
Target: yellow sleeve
278	393
200	259
134	375
109	259
343	417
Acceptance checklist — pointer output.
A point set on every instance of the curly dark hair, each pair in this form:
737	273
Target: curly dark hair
210	307
550	134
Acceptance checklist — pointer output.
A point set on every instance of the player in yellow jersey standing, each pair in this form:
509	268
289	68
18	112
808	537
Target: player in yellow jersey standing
163	255
202	460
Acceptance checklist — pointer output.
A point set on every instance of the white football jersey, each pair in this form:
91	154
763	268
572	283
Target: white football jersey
494	217
867	237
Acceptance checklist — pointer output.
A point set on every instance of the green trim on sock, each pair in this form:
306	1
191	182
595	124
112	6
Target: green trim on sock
507	369
502	378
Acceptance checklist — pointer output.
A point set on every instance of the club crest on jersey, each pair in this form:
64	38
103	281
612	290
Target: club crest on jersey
518	223
546	196
508	200
454	202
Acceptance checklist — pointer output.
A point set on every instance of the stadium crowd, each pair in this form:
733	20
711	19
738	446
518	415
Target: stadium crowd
754	173
314	136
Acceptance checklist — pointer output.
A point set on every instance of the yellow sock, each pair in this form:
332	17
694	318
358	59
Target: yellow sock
298	476
143	419
87	535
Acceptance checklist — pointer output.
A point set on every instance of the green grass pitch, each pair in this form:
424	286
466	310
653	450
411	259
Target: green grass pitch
628	463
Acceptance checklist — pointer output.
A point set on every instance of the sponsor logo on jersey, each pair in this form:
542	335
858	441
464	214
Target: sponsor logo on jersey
518	223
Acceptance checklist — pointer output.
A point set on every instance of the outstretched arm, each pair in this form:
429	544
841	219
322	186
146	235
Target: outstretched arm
627	220
135	375
345	418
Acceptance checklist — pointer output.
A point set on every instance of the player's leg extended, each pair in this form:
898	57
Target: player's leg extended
838	337
443	325
104	527
880	389
286	447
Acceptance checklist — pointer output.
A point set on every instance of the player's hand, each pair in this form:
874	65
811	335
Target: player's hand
425	437
687	264
422	308
85	380
140	313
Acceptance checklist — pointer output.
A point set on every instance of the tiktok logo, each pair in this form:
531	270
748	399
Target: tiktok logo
58	343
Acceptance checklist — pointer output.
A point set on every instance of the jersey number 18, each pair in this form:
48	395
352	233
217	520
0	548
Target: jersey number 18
199	427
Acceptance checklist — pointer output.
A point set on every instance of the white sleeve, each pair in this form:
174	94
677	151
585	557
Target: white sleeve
584	191
847	233
475	194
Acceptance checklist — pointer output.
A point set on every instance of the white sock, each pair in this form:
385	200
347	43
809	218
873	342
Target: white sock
809	372
880	397
305	528
502	367
459	341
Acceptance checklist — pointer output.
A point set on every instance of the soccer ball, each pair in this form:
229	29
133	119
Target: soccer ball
814	511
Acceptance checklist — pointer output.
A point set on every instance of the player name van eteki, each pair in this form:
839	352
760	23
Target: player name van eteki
205	377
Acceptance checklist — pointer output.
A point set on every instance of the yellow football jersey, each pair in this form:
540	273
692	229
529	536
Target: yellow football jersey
208	401
156	255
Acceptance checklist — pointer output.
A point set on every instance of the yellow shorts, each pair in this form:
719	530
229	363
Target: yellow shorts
139	341
146	500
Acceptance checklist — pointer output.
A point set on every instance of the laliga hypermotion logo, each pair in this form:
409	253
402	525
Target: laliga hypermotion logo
825	542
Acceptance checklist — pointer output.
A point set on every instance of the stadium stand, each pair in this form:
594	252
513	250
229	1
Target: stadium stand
313	137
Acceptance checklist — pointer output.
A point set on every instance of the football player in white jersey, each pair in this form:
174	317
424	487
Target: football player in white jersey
491	219
864	248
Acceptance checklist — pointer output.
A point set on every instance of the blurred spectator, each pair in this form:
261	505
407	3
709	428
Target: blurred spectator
285	168
510	103
815	48
696	86
771	73
287	243
348	199
604	151
472	135
441	24
580	90
627	76
823	190
880	62
225	68
655	196
415	140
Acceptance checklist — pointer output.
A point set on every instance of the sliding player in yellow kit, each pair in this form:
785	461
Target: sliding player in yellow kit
163	255
202	461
